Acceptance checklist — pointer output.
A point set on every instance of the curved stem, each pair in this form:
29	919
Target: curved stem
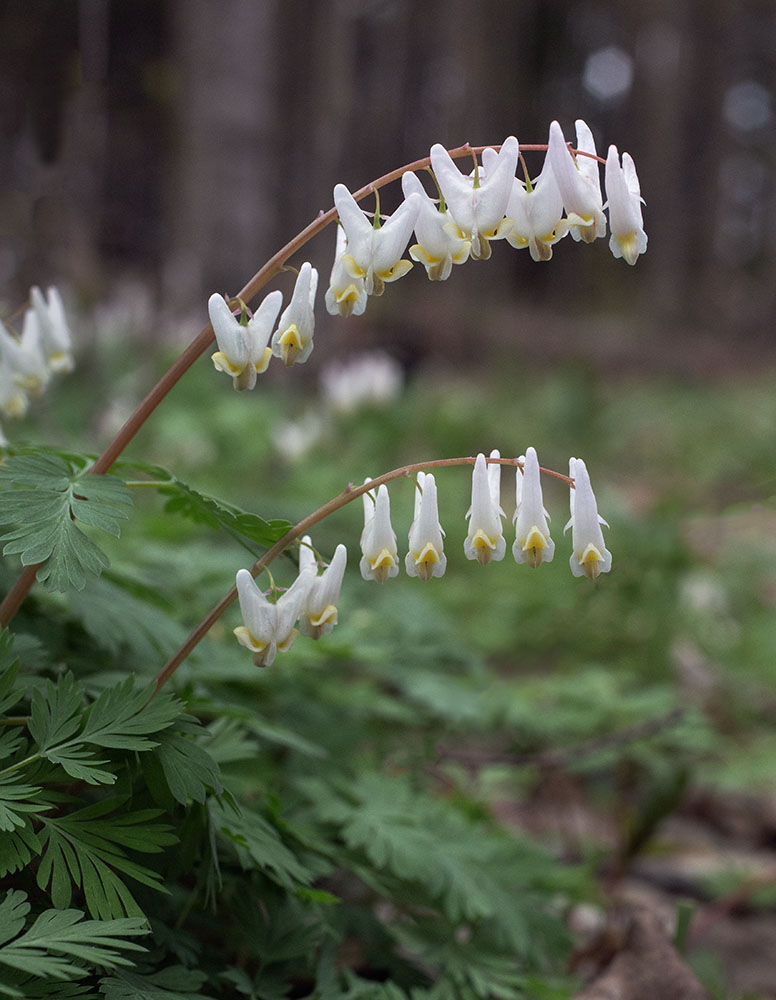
16	595
349	494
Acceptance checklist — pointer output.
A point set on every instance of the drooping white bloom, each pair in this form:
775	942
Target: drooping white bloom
319	611
372	378
578	181
590	555
374	252
24	357
440	244
54	329
485	539
536	211
426	557
242	350
532	544
346	295
478	203
13	399
269	627
293	339
623	192
380	559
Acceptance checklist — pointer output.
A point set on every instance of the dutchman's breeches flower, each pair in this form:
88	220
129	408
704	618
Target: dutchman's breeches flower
24	357
293	339
533	544
426	557
374	250
54	329
536	211
590	555
579	182
478	203
319	610
485	539
269	627
440	244
380	560
346	295
626	223
242	350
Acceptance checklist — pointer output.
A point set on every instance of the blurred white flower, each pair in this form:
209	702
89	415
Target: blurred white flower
293	439
372	378
532	544
24	357
55	336
293	339
426	557
378	539
485	539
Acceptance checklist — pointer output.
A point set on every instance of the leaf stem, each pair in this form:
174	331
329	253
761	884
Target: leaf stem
349	494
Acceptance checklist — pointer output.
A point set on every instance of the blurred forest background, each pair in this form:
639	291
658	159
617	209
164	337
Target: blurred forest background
170	146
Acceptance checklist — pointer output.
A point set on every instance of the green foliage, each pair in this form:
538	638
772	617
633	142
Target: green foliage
59	945
41	499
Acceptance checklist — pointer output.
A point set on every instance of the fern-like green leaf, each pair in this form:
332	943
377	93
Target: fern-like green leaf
174	983
60	944
41	499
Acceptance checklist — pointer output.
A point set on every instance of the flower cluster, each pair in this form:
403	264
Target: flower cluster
311	601
471	210
27	362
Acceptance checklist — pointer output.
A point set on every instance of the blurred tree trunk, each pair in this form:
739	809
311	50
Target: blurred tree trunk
221	206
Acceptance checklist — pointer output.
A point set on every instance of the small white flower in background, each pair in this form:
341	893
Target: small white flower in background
440	244
346	295
374	250
293	339
426	557
380	559
54	329
242	350
24	357
485	539
269	627
478	202
319	611
623	192
590	555
293	439
372	378
536	211
532	544
13	399
579	182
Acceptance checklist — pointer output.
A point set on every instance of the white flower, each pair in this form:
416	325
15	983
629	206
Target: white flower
578	181
374	251
478	203
590	555
54	329
628	238
13	399
269	627
536	211
293	439
24	357
532	544
242	350
372	378
319	611
485	538
426	557
378	539
293	339
346	295
440	244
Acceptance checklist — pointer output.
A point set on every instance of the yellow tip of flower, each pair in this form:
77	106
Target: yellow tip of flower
223	364
590	561
246	638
